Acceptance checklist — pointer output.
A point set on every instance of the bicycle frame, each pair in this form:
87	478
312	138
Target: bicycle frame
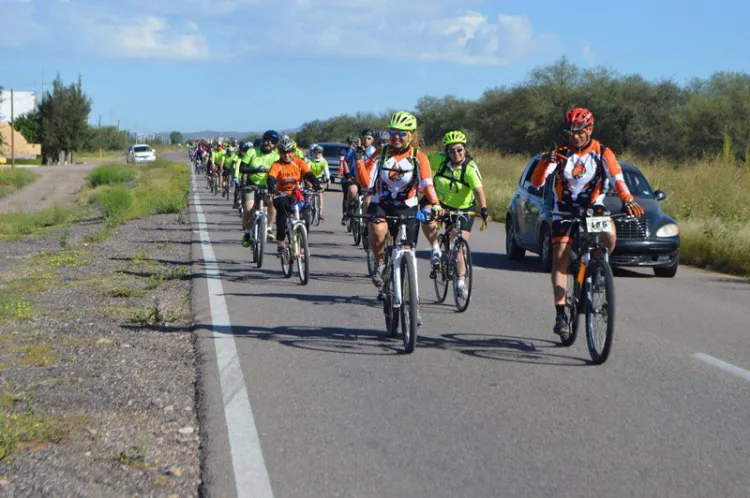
402	245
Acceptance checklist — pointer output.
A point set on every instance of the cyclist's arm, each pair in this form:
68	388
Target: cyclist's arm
271	179
614	173
425	175
366	172
326	173
542	169
474	181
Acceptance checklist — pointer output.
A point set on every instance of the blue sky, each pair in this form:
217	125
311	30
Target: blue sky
156	65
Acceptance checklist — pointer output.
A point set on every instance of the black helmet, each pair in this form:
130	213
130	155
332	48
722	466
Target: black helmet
272	136
367	132
257	142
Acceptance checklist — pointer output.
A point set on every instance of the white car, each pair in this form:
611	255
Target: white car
141	153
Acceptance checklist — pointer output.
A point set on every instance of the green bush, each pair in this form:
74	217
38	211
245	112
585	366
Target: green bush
111	174
116	203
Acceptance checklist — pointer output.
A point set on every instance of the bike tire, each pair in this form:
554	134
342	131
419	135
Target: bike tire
357	231
442	278
599	354
409	307
574	305
391	313
261	242
302	254
463	303
316	209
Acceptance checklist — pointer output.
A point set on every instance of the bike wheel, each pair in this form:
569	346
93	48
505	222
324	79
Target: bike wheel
441	273
574	305
600	311
316	209
462	298
357	230
409	304
301	252
391	313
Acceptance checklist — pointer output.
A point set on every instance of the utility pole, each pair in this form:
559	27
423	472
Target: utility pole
12	133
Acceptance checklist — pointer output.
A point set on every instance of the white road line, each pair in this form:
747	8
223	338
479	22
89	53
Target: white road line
723	365
250	474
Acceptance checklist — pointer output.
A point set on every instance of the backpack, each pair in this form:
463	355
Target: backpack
442	171
414	162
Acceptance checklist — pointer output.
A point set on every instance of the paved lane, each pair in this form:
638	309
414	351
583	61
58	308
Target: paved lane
487	405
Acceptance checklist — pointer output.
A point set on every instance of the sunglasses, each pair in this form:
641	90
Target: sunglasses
578	133
456	150
367	137
398	133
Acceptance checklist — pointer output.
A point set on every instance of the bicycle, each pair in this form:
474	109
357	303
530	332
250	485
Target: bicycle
313	198
226	176
400	286
259	225
447	269
215	185
355	218
589	273
366	239
296	247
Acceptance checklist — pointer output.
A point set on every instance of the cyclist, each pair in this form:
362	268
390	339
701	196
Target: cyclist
395	173
383	139
256	170
458	185
363	147
319	167
216	161
285	177
247	152
227	169
583	171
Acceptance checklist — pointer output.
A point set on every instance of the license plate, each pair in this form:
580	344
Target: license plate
598	224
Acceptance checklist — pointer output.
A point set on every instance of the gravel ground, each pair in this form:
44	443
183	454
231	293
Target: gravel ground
56	184
97	363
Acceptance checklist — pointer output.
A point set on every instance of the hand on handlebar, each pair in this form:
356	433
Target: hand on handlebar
633	208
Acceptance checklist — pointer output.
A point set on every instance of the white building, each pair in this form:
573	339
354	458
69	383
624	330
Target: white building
23	102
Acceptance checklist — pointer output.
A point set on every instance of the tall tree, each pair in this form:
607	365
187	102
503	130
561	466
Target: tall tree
175	138
63	121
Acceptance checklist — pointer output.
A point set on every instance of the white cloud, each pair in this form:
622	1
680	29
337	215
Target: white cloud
427	30
147	37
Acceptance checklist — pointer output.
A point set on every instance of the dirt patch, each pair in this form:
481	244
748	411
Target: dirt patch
97	362
56	184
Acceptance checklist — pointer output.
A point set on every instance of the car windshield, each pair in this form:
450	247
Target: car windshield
637	184
332	150
142	148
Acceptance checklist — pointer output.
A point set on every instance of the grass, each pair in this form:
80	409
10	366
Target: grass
23	426
110	174
159	188
22	224
12	179
708	198
14	308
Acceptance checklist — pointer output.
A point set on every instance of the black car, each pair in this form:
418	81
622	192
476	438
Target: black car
332	153
651	241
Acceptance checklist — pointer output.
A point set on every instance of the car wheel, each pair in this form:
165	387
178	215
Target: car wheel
545	249
512	250
668	271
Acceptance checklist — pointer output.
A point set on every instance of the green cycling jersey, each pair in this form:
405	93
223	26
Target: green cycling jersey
319	168
453	192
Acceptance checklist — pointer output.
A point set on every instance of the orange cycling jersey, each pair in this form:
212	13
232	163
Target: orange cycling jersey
398	177
580	179
289	175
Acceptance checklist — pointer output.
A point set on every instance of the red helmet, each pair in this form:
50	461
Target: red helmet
578	119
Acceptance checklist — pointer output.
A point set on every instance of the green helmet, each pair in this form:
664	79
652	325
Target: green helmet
454	137
402	120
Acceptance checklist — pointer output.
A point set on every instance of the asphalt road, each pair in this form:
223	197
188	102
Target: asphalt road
487	405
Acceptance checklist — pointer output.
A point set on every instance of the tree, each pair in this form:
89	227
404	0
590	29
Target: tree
1	101
63	122
175	138
28	126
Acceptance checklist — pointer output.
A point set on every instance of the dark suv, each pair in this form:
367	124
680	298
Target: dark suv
332	154
652	240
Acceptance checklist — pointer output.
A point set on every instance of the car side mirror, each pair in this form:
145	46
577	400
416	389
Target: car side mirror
534	190
659	195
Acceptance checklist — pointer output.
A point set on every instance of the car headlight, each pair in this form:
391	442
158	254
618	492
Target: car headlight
668	230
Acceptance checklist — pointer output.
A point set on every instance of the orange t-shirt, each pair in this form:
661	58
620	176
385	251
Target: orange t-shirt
289	175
